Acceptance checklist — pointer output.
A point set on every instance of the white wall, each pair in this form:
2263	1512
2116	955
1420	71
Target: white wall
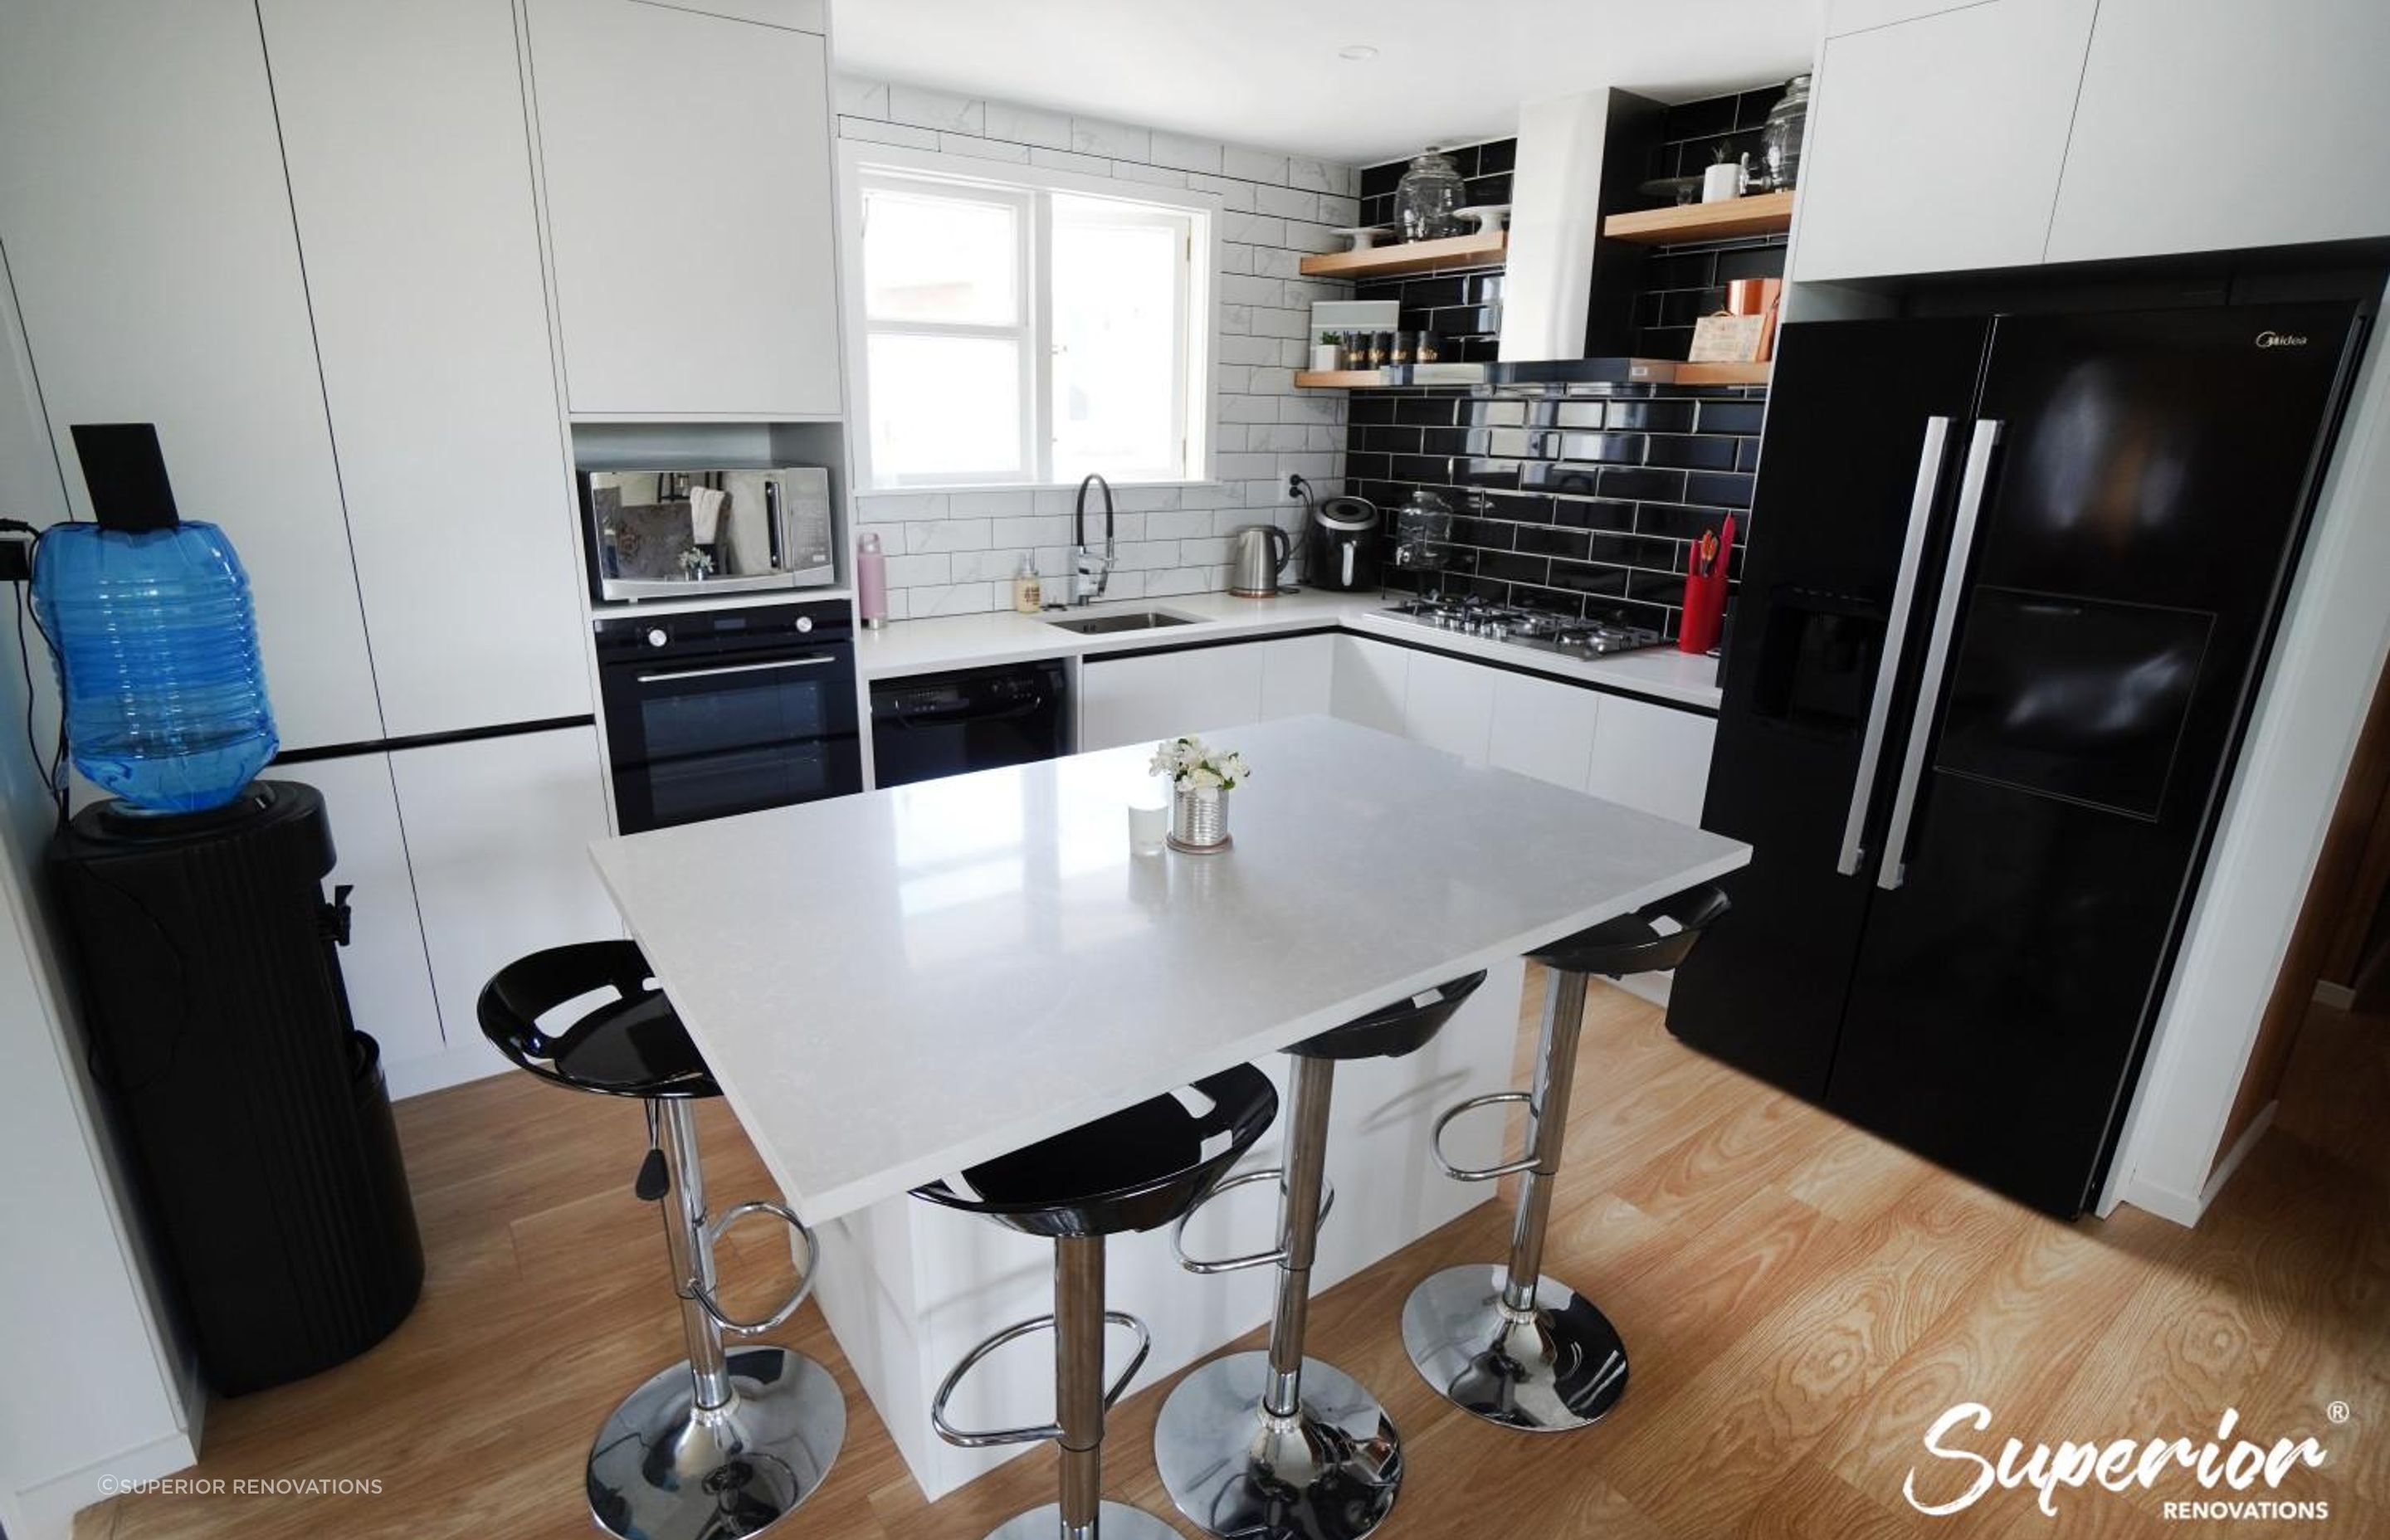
88	1381
2330	651
954	553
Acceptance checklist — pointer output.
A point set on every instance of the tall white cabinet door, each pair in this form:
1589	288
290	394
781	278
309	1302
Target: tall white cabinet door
148	233
410	174
1935	145
1448	704
1653	758
498	833
389	977
1298	676
1369	683
1543	728
2300	81
687	160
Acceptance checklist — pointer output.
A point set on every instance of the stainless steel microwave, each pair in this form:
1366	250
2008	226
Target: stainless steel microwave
685	532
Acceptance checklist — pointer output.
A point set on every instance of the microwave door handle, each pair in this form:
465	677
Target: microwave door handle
1895	636
1894	870
668	677
775	514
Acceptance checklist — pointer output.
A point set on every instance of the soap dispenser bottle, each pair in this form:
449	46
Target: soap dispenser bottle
872	581
1028	591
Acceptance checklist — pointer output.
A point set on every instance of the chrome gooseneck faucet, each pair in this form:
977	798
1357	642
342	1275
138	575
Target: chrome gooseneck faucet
1091	574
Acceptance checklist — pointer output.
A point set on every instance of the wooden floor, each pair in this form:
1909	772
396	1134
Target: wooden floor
1800	1301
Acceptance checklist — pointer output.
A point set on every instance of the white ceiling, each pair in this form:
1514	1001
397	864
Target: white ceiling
1267	73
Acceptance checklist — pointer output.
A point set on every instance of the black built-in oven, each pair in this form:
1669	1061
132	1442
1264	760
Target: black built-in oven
729	710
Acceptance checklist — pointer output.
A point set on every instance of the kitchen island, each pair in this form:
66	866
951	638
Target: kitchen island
893	986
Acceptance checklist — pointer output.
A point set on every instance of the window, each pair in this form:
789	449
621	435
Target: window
1020	332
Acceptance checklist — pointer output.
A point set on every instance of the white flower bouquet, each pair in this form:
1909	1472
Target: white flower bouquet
1194	766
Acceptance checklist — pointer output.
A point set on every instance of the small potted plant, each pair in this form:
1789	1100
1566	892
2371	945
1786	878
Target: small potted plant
1201	779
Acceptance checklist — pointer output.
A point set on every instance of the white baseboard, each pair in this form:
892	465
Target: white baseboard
2338	997
2184	1208
2238	1153
48	1509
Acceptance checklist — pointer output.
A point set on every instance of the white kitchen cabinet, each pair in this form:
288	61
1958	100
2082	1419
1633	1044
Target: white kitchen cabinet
804	15
1856	16
1159	695
387	977
1543	728
1653	758
148	226
410	178
1298	676
497	835
685	159
1448	704
1368	684
1935	144
2210	125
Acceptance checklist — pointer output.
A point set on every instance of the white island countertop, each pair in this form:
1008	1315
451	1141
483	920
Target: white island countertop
892	986
972	641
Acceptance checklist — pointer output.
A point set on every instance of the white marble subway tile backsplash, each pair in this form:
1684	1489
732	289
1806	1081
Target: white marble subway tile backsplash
953	553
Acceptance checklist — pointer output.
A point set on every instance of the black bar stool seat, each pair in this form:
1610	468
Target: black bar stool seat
725	1443
1273	1445
1137	1169
1505	1343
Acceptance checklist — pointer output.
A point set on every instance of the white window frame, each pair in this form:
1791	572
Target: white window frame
862	162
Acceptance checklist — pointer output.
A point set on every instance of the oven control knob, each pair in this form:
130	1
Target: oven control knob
804	623
657	635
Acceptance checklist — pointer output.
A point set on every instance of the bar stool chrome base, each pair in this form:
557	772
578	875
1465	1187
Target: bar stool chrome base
1330	1472
1113	1521
1558	1367
664	1469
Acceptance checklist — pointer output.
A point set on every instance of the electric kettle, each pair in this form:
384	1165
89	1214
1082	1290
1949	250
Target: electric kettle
1261	552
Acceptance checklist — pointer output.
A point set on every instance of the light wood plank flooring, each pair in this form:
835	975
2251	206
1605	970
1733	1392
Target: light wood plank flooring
1800	1301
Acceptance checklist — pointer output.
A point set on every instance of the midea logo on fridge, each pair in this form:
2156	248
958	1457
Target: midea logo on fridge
2281	339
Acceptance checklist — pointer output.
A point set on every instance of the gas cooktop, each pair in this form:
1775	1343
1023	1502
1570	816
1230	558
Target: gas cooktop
1524	626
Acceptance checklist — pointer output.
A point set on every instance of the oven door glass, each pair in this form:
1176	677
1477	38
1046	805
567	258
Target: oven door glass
706	740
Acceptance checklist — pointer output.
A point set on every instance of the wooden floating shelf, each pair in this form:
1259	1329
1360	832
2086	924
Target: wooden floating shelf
1723	374
1339	379
1413	256
1762	215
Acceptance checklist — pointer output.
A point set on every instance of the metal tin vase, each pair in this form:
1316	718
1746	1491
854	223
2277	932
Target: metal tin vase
1199	824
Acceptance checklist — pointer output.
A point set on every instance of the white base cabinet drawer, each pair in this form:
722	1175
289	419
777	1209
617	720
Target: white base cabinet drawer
1369	683
1161	695
1652	758
1544	728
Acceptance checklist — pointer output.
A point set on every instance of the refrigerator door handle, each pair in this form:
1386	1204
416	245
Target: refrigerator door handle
1895	636
1895	867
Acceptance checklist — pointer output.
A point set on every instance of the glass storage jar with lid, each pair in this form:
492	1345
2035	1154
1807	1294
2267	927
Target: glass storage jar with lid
1428	197
1779	137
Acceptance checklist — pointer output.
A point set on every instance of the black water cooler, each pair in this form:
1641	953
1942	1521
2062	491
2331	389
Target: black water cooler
256	1112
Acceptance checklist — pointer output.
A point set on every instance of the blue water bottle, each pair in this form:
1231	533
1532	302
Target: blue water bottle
156	637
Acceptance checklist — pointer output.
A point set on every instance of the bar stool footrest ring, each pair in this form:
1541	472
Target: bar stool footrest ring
1208	1265
716	1228
1479	1174
1044	1432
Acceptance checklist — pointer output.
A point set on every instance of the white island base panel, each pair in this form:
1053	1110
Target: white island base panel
909	1287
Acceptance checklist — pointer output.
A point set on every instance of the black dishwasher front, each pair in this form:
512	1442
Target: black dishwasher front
932	725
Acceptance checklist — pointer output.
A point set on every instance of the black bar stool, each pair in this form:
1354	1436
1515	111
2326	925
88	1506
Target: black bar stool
725	1443
1506	1342
1274	1445
1137	1169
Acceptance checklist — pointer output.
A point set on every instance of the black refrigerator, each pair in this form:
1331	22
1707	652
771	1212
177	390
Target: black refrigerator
1998	633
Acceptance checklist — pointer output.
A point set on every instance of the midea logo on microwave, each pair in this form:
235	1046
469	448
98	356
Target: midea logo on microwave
2281	339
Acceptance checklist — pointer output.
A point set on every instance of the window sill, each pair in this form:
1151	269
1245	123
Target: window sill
927	488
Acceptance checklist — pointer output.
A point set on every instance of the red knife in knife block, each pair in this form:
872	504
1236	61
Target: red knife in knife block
1705	569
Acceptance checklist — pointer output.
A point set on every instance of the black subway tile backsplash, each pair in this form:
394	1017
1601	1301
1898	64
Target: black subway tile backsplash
1691	451
1720	491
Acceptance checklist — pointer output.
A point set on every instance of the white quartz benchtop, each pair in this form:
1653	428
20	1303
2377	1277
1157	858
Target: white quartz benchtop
889	987
968	641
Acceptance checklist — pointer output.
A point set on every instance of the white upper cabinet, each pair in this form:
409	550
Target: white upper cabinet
410	176
1935	144
1853	16
2217	124
687	163
148	226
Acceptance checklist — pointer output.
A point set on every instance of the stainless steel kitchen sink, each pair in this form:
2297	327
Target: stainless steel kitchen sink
1138	620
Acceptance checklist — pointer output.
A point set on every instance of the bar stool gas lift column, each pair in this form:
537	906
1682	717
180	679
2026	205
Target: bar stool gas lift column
725	1443
1274	1445
1506	1344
